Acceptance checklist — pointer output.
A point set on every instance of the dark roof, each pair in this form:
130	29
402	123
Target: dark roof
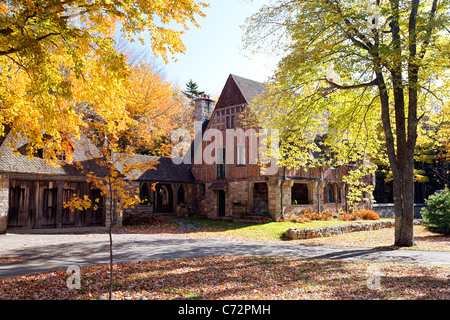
218	185
166	170
238	91
250	89
21	163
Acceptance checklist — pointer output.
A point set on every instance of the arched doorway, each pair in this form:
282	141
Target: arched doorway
164	203
181	199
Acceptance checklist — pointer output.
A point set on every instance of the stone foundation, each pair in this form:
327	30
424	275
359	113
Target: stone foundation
4	201
308	233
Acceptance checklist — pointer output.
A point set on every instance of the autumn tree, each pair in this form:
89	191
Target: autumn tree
115	170
61	75
57	55
157	108
353	72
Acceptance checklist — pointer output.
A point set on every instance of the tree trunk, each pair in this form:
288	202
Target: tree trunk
402	165
404	207
110	260
111	222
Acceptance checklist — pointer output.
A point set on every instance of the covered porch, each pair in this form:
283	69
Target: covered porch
165	198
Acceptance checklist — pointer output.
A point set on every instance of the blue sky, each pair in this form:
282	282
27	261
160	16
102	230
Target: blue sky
215	50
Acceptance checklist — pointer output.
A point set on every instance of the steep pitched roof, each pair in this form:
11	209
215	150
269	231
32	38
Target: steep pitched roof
166	170
238	91
21	163
250	89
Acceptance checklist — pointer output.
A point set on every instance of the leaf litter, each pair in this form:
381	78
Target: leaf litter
238	277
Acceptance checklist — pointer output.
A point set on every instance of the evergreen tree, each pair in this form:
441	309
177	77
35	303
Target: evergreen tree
192	91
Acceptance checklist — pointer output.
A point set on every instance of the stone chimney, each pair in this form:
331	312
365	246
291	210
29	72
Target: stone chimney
204	108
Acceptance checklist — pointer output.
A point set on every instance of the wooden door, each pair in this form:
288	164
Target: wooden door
69	217
17	216
96	215
20	211
164	198
49	207
221	201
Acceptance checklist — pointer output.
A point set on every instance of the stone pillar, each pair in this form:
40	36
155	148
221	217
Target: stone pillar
4	201
118	215
175	187
275	186
274	200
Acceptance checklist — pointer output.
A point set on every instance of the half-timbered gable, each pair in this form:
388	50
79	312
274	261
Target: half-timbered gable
233	185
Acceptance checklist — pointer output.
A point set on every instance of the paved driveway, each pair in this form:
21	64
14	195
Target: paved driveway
45	252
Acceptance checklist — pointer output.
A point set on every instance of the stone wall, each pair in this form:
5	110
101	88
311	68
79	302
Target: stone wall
4	201
308	233
237	193
386	210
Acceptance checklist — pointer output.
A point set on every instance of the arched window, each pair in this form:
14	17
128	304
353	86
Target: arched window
144	194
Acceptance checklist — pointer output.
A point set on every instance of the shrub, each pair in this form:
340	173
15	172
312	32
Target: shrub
307	216
359	214
437	215
311	215
344	216
367	215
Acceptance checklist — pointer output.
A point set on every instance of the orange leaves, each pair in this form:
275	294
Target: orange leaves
77	203
344	216
367	215
57	75
359	214
307	216
237	277
156	109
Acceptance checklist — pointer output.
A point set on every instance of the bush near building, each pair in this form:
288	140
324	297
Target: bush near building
437	215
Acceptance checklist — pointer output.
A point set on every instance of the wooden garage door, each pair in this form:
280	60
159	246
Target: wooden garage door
32	204
39	204
19	215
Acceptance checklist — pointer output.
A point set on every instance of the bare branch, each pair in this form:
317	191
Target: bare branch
334	85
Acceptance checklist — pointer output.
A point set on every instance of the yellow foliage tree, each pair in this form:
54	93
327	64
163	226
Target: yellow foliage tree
58	56
157	108
60	74
355	72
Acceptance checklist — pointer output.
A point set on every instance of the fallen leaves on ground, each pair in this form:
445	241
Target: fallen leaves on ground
239	277
10	260
423	239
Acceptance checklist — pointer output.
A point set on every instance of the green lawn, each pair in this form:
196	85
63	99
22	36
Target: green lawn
261	231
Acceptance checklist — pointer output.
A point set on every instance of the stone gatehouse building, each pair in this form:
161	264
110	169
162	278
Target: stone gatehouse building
32	192
240	189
